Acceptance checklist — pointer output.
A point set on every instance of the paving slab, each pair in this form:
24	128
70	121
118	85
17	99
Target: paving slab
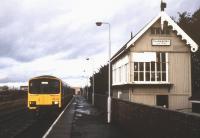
62	128
83	120
89	122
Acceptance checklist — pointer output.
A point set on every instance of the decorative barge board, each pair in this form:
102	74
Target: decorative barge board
154	67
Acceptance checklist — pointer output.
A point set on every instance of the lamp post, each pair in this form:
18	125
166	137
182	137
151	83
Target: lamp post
92	80
109	54
86	84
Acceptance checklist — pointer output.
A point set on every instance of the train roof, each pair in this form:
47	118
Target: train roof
45	76
49	77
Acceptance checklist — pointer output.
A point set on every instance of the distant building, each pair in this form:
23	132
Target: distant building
3	88
24	88
154	66
77	90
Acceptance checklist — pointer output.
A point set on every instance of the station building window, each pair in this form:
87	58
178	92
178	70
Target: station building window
150	67
120	71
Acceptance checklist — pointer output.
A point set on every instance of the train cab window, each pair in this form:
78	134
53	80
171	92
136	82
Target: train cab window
49	86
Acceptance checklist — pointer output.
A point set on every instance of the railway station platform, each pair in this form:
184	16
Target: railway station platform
82	120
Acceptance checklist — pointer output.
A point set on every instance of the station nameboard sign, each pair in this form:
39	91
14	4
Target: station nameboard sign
156	42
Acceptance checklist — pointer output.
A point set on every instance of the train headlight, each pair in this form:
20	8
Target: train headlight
32	103
55	102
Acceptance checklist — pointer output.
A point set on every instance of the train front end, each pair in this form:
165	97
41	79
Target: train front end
44	92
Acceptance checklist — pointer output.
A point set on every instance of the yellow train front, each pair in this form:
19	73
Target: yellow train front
47	92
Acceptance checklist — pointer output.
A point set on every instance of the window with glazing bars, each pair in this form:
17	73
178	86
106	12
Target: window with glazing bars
154	70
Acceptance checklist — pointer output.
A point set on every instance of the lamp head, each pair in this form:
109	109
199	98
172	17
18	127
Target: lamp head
98	23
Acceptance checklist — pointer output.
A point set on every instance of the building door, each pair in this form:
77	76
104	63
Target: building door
162	100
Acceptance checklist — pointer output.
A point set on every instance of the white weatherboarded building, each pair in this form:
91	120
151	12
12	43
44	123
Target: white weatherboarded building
154	67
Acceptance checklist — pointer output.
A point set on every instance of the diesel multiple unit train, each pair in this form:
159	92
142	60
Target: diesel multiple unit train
48	91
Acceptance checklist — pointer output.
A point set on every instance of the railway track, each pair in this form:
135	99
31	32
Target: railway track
8	115
39	127
16	121
19	122
14	118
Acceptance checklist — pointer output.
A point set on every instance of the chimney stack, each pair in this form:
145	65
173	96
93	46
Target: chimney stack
163	5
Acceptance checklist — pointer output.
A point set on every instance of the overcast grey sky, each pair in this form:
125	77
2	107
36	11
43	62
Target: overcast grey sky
48	37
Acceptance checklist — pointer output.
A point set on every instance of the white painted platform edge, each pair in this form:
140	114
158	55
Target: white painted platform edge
51	127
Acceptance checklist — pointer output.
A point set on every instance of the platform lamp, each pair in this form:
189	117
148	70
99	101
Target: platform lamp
92	80
109	53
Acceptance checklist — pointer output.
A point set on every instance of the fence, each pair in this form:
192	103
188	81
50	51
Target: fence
12	95
143	121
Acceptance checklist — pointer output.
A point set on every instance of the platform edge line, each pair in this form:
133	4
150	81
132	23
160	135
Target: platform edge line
51	127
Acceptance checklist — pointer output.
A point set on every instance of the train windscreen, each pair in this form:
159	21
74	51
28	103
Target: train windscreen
44	86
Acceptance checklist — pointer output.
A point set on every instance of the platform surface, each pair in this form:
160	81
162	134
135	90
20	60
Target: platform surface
83	120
